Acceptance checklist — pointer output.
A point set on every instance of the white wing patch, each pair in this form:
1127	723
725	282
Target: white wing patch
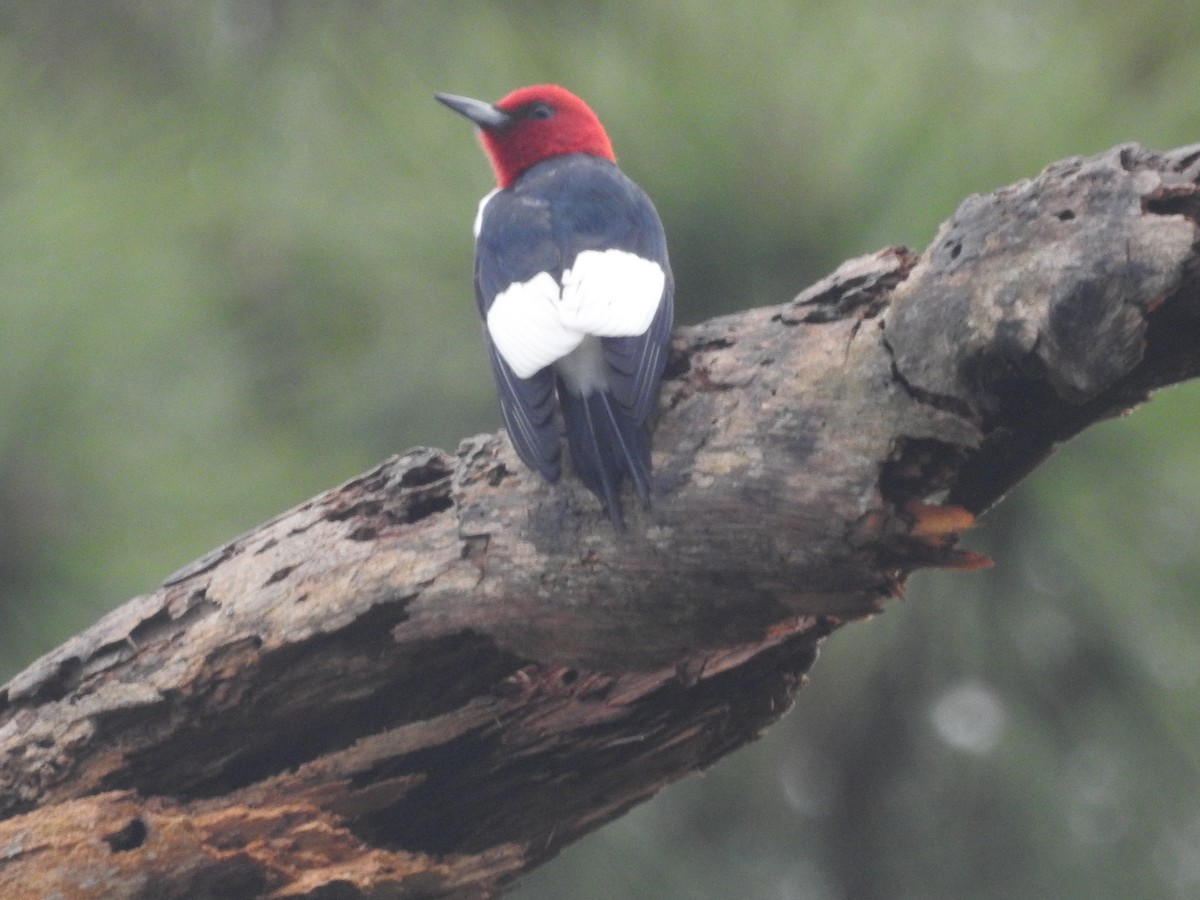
611	293
526	328
606	293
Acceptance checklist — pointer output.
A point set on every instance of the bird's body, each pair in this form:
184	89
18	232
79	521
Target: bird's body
574	286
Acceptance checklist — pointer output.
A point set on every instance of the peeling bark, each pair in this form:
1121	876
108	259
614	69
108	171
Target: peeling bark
430	679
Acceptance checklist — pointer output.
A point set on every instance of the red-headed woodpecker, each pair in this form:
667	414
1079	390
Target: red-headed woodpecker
574	287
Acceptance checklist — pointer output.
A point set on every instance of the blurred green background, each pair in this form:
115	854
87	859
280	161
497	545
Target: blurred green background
235	260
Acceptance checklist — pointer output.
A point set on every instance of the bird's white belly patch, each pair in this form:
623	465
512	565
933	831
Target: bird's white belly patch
478	225
605	293
583	370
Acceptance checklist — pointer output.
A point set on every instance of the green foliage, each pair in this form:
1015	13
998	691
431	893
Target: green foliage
235	256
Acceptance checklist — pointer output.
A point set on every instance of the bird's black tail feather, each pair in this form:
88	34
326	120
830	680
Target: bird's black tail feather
606	444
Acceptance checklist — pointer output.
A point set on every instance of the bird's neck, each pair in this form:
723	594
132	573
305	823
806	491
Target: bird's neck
510	155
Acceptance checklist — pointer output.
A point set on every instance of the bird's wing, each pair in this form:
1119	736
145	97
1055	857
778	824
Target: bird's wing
608	227
528	406
512	250
638	362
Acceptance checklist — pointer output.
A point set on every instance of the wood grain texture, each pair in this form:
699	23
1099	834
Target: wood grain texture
432	678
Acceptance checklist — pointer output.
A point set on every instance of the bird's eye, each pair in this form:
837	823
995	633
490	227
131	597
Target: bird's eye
541	111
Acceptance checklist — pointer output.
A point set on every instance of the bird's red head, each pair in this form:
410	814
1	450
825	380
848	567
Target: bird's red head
533	124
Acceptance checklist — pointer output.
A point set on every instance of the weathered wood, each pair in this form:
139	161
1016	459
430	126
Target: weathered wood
432	678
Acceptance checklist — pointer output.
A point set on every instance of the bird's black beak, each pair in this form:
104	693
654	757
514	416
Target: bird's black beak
485	115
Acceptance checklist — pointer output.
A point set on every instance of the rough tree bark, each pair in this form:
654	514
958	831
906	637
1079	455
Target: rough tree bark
430	679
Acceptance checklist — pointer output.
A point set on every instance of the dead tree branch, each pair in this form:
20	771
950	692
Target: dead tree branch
432	678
